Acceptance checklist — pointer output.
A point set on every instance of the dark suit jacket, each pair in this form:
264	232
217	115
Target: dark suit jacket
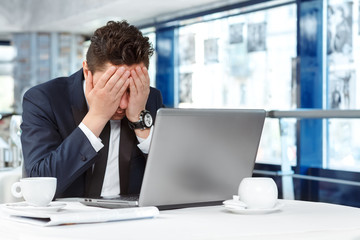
54	145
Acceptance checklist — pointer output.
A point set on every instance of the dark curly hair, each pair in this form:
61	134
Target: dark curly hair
118	43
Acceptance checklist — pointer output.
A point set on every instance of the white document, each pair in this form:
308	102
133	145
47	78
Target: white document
74	213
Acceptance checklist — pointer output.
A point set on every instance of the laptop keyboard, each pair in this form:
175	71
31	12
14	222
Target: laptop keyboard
132	197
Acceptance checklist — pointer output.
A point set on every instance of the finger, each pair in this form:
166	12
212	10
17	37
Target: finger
147	77
118	85
132	87
105	77
119	76
123	89
137	81
144	76
140	75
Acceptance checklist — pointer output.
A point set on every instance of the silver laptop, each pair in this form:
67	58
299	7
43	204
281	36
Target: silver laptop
197	157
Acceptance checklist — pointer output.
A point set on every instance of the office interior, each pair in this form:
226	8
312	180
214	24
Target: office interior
275	55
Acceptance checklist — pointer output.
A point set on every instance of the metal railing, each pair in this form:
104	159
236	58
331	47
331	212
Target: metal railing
313	113
286	172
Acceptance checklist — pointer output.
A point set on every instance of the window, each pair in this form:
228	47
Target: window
242	61
7	55
150	33
343	56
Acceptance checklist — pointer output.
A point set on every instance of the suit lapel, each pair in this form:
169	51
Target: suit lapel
78	102
78	114
127	141
95	175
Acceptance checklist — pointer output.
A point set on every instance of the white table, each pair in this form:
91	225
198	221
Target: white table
7	178
296	220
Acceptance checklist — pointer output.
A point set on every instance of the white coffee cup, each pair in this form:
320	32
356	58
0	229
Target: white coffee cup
37	191
258	192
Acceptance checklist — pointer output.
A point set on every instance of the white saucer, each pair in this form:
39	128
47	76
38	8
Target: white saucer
23	206
278	206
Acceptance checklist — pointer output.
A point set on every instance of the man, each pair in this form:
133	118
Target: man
92	130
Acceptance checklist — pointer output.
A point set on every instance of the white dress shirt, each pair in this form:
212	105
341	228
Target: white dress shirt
111	184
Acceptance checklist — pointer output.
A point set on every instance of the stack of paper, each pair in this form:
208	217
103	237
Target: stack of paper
73	213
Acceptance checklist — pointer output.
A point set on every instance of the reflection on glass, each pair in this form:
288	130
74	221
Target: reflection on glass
185	95
150	33
242	61
343	145
342	59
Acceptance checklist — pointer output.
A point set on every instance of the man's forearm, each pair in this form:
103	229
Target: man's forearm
94	123
67	162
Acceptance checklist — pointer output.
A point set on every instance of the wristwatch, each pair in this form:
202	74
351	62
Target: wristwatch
145	121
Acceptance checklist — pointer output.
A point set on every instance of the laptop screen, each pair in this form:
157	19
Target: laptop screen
200	155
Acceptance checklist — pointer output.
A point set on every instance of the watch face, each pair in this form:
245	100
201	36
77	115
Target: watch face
148	120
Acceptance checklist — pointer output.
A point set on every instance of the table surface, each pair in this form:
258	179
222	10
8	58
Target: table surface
296	220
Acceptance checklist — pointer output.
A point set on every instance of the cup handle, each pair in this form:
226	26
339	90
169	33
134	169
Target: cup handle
14	192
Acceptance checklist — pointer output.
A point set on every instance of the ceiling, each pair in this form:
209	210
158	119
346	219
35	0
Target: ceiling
83	16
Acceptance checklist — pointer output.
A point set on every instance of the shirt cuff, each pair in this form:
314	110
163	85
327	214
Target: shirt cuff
144	144
95	141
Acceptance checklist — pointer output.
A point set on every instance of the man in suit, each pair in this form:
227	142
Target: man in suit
92	130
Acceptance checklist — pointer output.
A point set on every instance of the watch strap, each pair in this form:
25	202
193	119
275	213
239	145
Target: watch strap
139	124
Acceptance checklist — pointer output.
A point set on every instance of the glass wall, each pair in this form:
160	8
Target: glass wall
247	58
150	33
277	56
242	61
343	58
7	55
